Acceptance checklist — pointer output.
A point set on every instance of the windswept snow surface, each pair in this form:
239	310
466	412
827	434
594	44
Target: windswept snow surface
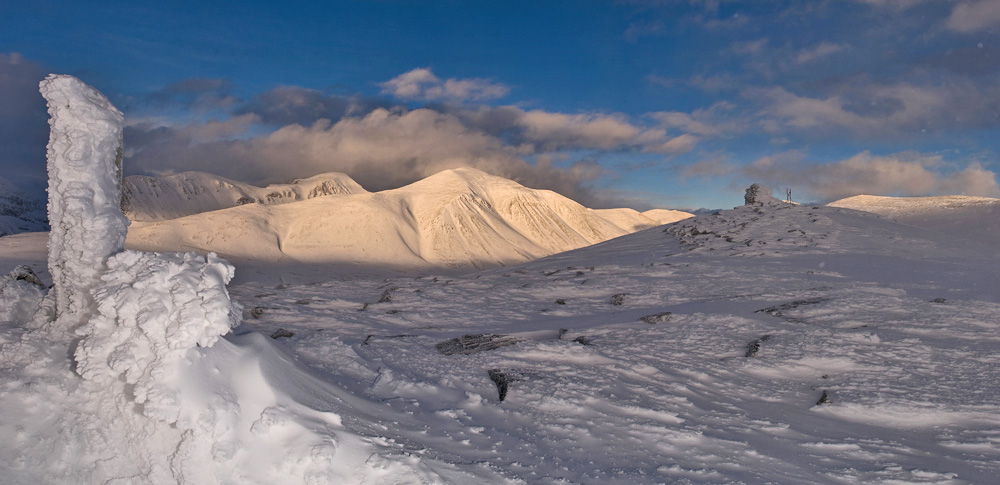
958	215
162	198
461	218
895	325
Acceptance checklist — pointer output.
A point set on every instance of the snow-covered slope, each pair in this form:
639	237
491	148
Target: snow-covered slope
782	344
630	220
19	212
972	217
161	198
787	344
455	218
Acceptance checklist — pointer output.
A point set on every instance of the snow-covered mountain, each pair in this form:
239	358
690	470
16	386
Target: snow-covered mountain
772	343
19	211
971	217
169	197
785	344
457	218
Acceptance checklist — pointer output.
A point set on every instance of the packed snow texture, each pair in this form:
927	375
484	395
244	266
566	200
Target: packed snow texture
460	218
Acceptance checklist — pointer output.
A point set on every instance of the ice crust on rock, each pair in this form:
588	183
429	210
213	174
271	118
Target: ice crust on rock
84	192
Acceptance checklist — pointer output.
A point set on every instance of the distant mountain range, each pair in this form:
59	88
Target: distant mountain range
456	218
20	211
184	194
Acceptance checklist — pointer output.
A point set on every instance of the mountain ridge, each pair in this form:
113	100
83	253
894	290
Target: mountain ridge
973	217
455	218
147	198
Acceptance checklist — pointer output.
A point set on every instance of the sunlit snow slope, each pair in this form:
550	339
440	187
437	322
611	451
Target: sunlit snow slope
161	198
455	218
971	217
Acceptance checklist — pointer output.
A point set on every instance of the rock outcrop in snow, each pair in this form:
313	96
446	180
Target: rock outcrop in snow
759	194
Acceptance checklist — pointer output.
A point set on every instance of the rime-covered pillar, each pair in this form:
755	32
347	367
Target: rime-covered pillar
85	190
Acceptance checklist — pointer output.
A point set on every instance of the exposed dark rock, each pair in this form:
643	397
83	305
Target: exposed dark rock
24	273
754	347
257	311
939	300
656	318
759	194
245	200
387	295
560	302
279	333
618	299
304	301
503	379
475	343
369	338
780	310
824	399
583	340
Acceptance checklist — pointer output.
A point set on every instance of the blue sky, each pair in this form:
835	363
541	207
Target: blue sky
659	103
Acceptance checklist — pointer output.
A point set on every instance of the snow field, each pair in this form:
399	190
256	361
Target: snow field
908	380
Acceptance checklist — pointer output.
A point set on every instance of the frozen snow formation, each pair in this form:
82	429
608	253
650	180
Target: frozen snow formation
118	374
759	194
84	192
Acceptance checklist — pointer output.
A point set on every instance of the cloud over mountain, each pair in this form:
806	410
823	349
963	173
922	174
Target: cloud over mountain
421	84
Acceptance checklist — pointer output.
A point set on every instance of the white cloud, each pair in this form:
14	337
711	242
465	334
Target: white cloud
872	110
555	130
974	16
384	149
421	84
899	174
820	51
686	122
674	146
539	131
896	4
